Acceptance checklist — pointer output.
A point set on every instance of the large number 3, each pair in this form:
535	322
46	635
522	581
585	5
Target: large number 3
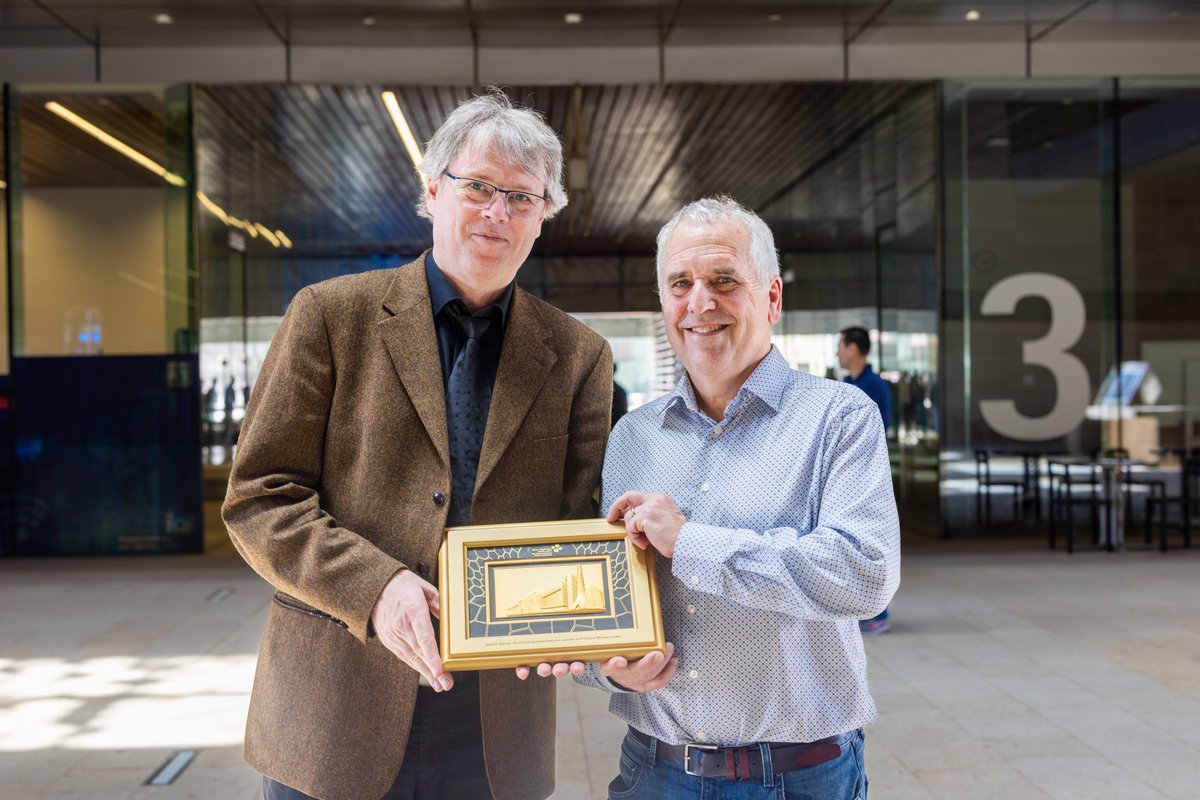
1068	315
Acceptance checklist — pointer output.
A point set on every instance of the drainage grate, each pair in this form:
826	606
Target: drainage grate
219	595
171	770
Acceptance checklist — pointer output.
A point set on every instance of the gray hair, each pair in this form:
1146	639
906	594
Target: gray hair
761	252
516	135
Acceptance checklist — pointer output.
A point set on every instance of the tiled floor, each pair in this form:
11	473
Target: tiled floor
1011	672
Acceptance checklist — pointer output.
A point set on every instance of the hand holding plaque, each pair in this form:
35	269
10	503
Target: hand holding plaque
552	592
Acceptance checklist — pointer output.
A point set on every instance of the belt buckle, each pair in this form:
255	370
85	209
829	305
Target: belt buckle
687	756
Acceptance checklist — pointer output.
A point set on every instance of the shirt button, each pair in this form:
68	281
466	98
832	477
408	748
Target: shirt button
704	487
693	674
701	736
695	579
439	499
718	430
691	609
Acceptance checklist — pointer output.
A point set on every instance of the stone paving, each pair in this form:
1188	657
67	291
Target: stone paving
1011	672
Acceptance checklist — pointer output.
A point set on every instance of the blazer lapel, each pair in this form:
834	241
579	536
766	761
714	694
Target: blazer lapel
412	343
525	363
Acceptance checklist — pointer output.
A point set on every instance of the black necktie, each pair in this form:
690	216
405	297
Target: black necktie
468	395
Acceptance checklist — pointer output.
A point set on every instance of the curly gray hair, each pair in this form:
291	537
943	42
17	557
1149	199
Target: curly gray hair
763	256
516	135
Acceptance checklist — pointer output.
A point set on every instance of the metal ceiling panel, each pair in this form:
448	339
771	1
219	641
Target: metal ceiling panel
649	148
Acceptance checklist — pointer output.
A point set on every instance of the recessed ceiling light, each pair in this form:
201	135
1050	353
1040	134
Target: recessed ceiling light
572	18
972	16
368	20
776	17
163	19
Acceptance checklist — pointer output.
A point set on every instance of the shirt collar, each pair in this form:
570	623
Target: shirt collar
441	292
866	373
767	382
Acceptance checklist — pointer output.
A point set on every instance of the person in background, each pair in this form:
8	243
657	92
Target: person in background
620	402
854	345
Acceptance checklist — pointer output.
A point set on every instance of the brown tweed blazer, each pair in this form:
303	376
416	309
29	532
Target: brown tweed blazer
343	446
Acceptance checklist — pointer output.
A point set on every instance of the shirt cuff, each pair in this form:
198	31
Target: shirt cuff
701	552
592	676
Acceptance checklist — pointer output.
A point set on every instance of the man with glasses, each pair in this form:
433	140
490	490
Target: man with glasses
391	405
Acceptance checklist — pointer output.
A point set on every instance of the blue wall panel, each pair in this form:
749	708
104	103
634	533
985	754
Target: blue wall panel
107	456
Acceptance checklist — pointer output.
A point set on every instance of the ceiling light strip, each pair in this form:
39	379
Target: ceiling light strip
255	229
213	208
277	238
406	134
115	143
267	234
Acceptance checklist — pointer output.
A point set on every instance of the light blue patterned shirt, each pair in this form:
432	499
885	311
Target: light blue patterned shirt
792	536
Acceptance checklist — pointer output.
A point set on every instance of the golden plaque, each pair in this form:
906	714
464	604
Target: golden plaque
524	593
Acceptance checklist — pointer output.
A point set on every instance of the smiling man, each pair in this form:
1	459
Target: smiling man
392	404
768	493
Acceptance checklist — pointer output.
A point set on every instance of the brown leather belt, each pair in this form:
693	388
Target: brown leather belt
745	762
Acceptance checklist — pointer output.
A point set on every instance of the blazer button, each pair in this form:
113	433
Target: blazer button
439	499
423	569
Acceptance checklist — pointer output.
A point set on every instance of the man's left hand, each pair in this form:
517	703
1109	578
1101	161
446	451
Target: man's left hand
649	519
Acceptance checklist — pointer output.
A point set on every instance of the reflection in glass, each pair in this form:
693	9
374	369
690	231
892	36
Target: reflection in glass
1069	250
1159	140
104	393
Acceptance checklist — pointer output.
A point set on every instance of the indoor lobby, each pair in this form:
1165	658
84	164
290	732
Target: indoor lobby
1005	194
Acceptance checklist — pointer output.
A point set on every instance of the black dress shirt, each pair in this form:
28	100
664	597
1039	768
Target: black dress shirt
450	337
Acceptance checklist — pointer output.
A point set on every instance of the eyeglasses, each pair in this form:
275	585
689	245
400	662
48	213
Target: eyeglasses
478	193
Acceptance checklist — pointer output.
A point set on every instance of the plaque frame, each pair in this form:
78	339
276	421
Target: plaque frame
582	591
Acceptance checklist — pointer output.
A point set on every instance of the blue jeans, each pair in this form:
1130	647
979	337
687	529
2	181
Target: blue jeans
645	777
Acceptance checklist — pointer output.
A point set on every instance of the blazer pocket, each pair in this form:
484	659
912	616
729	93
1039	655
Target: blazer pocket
292	604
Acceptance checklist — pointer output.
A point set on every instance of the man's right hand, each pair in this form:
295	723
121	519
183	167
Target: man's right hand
402	623
652	671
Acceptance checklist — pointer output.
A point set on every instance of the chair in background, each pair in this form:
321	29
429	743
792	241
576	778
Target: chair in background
1133	483
1072	484
1188	501
984	481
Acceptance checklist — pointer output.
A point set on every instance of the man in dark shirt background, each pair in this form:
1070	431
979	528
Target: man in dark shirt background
854	345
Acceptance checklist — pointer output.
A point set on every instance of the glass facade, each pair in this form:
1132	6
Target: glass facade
1020	251
104	416
7	451
857	239
1158	251
255	206
1066	294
